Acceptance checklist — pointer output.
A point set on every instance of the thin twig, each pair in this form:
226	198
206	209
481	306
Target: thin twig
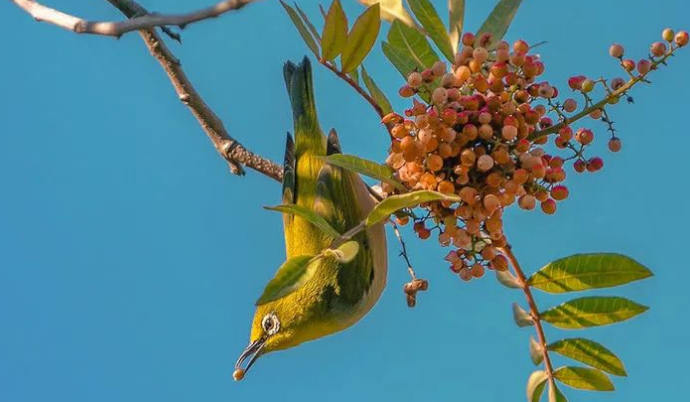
109	28
345	77
603	102
534	311
230	149
403	250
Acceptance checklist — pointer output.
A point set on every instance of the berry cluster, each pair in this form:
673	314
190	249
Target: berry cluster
478	132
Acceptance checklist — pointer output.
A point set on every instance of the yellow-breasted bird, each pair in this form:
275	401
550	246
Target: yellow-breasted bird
332	295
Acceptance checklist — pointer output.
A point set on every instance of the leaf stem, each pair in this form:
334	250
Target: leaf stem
534	310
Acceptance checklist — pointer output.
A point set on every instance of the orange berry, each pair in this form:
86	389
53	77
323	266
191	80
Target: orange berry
548	206
520	46
485	163
500	263
527	202
477	270
446	187
668	35
615	144
681	38
492	203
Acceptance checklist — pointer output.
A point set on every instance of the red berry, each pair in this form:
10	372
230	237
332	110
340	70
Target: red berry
468	39
575	83
628	64
559	193
579	166
595	164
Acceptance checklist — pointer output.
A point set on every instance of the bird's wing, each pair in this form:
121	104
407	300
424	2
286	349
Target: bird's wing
338	202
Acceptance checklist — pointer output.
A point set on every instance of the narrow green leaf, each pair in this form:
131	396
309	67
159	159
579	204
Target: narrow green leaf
426	14
365	167
397	202
507	279
535	385
354	75
521	317
499	20
413	44
456	17
555	394
334	32
376	92
361	38
589	352
592	312
311	26
303	31
588	271
584	378
290	276
345	253
392	10
308	215
536	352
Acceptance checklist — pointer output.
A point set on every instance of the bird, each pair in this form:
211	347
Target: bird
334	295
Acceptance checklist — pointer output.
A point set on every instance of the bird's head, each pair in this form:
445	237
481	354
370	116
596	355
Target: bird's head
289	321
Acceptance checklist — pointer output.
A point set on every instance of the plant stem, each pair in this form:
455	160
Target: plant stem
358	88
603	102
534	310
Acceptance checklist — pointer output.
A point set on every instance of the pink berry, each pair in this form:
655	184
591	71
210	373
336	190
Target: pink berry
570	105
643	66
616	50
658	49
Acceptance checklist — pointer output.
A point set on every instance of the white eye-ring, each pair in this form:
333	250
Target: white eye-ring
270	324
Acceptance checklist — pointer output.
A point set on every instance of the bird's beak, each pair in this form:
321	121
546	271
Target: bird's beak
252	352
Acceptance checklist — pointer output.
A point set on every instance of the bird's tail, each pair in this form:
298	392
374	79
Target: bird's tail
308	133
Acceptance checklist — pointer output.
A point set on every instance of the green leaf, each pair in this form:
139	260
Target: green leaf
588	271
392	10
290	276
507	279
592	312
456	17
536	352
334	32
308	215
589	352
400	59
354	75
584	378
521	317
311	26
413	44
555	394
535	385
365	167
499	20
426	14
395	203
361	38
376	92
306	35
345	253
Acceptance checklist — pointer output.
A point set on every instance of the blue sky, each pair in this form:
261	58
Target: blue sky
130	257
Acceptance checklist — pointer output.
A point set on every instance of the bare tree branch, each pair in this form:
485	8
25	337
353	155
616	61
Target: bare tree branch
230	149
135	23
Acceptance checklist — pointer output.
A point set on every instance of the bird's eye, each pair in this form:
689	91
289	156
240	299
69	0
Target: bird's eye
270	324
